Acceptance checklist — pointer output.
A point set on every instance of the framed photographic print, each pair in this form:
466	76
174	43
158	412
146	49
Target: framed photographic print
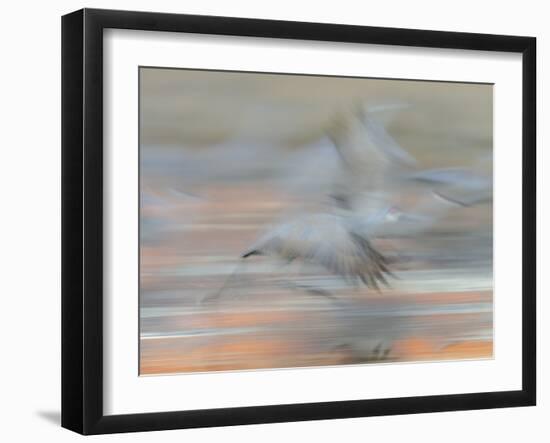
269	221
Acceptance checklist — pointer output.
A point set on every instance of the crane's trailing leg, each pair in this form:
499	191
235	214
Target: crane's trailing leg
293	285
229	279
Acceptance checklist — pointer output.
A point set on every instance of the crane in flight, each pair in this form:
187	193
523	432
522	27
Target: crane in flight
373	170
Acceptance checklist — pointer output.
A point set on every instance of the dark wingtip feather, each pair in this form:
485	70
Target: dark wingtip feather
249	253
376	264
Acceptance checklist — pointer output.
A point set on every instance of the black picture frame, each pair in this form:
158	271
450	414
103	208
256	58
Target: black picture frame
82	220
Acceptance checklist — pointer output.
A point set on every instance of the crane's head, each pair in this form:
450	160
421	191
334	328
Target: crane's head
393	214
390	214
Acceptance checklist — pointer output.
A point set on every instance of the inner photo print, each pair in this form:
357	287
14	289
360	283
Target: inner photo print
301	221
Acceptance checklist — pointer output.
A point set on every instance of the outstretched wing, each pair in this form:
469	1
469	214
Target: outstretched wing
372	162
323	240
461	186
462	177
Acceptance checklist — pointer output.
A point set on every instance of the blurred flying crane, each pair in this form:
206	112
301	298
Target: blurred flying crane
339	240
332	241
373	170
376	173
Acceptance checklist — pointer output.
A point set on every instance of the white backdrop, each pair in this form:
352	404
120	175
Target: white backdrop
30	234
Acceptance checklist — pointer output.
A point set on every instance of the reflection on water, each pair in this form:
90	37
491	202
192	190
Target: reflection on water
226	159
